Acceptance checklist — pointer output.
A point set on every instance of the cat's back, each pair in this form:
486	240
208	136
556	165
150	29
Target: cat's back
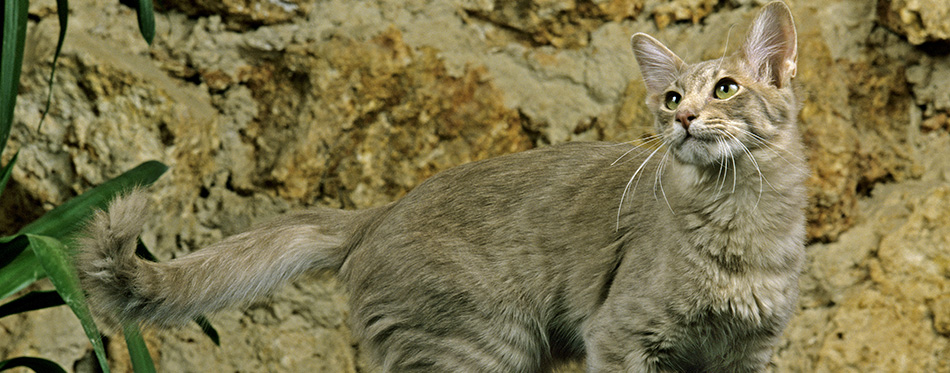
520	175
523	215
520	191
542	204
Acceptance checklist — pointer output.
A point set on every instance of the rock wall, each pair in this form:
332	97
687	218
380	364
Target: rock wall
261	107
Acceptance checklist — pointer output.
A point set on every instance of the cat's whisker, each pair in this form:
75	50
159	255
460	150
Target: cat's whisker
735	172
656	176
755	164
725	158
635	142
627	188
660	169
767	144
619	161
755	161
759	141
643	139
721	142
625	154
725	48
652	141
656	173
761	177
723	166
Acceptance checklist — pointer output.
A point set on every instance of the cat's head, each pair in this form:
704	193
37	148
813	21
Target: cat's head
706	112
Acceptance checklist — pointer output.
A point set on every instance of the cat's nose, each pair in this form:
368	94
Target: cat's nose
684	117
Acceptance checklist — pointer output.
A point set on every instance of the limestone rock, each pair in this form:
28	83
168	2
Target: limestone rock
242	14
831	137
930	79
920	20
682	10
383	115
561	23
34	334
876	298
111	110
855	112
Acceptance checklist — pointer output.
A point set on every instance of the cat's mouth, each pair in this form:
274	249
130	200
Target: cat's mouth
700	147
700	135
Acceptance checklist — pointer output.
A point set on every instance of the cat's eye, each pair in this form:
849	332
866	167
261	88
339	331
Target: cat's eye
673	100
726	88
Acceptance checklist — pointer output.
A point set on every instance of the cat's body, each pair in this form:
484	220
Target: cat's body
680	258
555	270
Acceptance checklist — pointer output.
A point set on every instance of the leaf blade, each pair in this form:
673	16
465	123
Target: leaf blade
20	268
65	219
208	329
11	61
34	363
56	261
146	15
62	11
32	301
138	351
7	171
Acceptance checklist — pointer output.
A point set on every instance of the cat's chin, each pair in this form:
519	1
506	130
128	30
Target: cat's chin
698	152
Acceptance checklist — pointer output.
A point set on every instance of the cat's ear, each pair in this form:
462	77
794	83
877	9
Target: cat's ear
771	49
658	65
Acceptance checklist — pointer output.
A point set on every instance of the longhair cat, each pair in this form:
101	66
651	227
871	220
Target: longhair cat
512	263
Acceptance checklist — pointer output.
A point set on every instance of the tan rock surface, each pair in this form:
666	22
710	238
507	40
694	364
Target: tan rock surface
876	299
243	14
920	20
352	103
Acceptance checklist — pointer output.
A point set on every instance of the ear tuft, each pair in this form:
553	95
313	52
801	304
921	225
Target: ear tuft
658	65
771	49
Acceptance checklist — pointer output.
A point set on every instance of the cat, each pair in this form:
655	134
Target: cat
511	263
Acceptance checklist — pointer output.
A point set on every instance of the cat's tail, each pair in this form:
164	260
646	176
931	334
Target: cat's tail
124	288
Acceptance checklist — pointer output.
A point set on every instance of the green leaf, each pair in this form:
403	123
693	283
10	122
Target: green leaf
208	329
65	219
143	252
6	171
52	255
11	59
32	301
18	266
138	351
62	10
146	15
10	248
34	363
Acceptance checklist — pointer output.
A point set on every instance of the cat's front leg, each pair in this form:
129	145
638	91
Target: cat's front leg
599	360
749	354
620	345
